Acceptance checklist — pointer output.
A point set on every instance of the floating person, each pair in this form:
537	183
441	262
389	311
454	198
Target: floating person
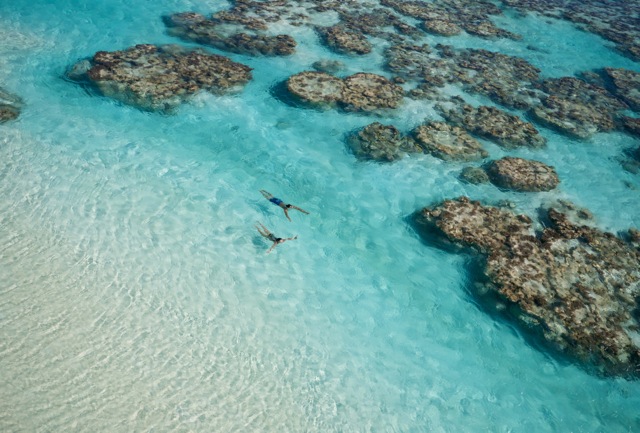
285	206
273	238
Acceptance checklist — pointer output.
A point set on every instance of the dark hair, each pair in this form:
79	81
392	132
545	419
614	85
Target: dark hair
288	206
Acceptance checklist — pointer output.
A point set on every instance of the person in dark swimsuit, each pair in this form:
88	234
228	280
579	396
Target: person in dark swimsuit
273	238
285	206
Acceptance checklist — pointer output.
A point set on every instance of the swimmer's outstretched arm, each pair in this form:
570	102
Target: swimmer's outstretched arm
284	240
286	213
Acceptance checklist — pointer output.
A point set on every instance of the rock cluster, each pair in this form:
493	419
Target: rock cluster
576	107
359	92
247	36
615	21
508	130
520	174
159	78
631	125
505	79
441	27
626	86
447	142
381	143
409	61
575	285
328	66
10	106
373	22
447	17
474	175
344	41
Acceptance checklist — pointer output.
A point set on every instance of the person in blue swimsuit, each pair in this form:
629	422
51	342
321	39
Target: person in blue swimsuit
273	238
285	206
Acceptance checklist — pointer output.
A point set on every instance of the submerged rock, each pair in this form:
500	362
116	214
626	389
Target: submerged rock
491	123
345	41
505	79
450	143
358	92
615	21
631	160
318	89
408	61
442	27
576	107
381	143
631	125
575	285
370	92
474	175
626	86
572	118
159	77
8	112
520	174
228	31
444	17
328	66
10	106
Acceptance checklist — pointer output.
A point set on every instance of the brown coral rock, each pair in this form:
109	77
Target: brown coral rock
627	85
345	41
441	27
10	106
520	174
160	78
316	88
381	143
494	124
448	142
577	285
230	31
8	112
370	92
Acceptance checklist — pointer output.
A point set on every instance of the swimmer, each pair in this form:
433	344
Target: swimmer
285	206
273	238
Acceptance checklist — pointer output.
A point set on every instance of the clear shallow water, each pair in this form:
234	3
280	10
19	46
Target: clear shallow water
136	295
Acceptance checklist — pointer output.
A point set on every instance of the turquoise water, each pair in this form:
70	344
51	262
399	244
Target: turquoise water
135	294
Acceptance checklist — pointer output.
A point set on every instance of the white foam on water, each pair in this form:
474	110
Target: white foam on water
136	295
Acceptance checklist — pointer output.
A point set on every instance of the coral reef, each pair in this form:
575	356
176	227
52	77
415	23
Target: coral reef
491	123
359	92
159	78
246	39
381	143
575	285
344	41
450	143
615	21
626	86
576	107
473	175
10	106
370	92
520	174
447	17
317	89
